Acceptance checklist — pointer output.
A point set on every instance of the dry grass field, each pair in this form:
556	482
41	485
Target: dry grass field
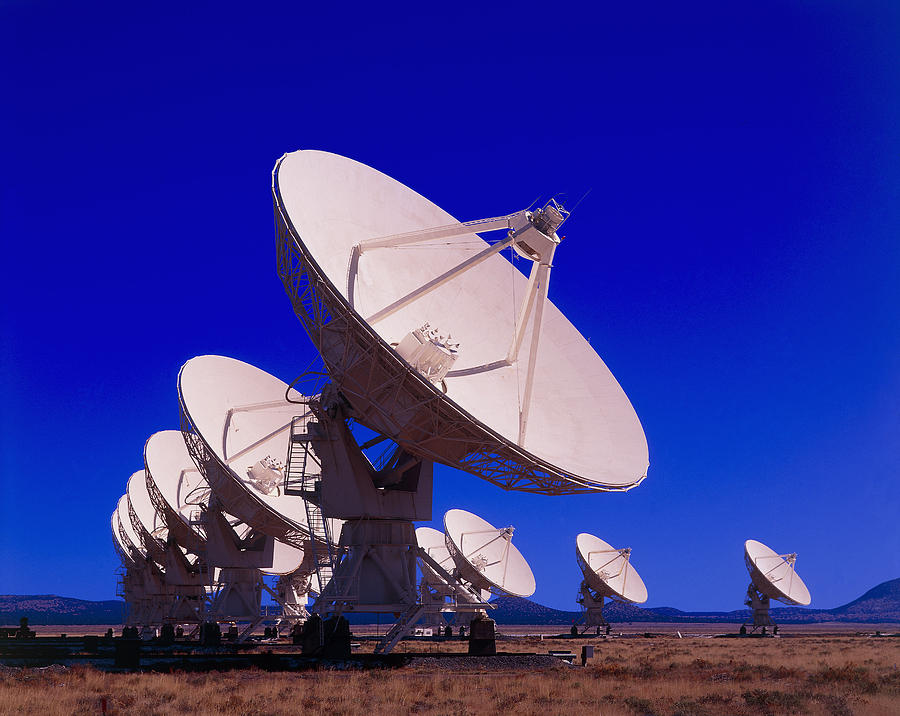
811	674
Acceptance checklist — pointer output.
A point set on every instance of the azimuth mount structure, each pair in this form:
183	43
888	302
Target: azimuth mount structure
772	576
608	573
431	339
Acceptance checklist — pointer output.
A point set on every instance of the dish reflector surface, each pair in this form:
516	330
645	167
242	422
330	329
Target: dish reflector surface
129	539
485	556
583	434
147	523
237	416
286	559
608	570
176	486
774	574
121	547
434	544
177	489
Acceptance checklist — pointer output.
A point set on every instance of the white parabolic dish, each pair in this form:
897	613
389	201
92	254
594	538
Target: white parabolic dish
435	546
583	433
147	522
176	486
128	537
240	417
121	547
485	556
608	570
774	574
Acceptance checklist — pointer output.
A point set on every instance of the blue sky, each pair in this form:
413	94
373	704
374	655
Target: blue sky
736	263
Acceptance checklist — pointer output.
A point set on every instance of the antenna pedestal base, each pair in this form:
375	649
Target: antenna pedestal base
482	636
329	638
290	594
239	596
762	620
378	570
352	488
186	586
225	548
592	604
376	567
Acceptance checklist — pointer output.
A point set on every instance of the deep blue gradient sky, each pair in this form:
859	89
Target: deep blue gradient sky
736	263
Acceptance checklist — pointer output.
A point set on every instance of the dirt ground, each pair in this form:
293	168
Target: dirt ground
820	670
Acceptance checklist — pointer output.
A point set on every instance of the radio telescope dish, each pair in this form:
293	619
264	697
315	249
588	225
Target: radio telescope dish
485	556
432	341
286	559
432	541
178	490
147	523
237	425
774	575
176	487
123	550
127	535
608	571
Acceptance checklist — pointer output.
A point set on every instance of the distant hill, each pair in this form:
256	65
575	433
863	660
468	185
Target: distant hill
879	604
50	609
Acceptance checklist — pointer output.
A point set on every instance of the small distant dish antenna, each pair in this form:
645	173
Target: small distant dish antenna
130	584
147	596
443	592
772	576
485	556
179	585
608	573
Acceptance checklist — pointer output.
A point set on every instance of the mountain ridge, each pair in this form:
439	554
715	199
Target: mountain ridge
881	604
53	609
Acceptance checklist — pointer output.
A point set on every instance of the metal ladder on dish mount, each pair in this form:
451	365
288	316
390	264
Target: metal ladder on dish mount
303	478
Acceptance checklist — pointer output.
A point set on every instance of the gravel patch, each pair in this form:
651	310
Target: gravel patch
501	662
